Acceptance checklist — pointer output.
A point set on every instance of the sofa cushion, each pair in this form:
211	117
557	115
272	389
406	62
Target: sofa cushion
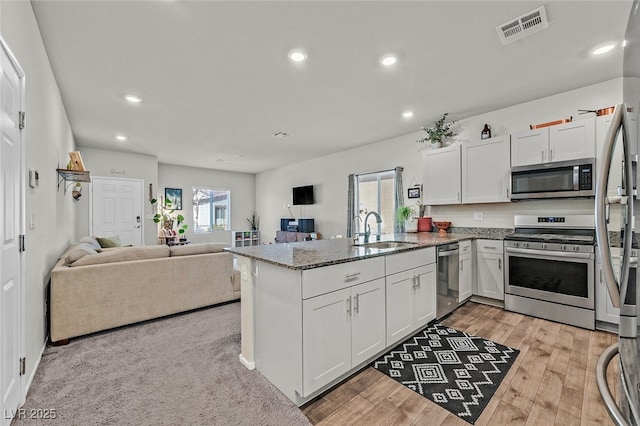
92	241
200	248
106	242
77	252
124	254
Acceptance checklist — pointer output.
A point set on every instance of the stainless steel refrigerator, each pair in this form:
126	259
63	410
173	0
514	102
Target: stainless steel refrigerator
624	291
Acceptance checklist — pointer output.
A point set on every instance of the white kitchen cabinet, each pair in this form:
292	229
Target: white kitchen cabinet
486	171
466	271
341	329
529	147
568	141
490	269
411	294
442	177
605	311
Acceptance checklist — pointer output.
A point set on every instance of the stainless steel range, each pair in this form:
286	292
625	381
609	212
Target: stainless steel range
550	268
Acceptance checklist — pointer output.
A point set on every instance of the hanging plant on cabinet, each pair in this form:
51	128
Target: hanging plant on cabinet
439	132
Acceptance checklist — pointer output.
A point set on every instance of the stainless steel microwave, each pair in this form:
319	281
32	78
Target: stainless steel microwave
562	179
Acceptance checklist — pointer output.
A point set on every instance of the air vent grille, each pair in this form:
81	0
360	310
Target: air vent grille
523	26
280	134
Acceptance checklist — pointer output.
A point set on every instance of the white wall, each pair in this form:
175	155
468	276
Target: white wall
329	174
114	164
241	185
48	139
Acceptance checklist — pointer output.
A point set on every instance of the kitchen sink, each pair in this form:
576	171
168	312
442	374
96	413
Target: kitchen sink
386	244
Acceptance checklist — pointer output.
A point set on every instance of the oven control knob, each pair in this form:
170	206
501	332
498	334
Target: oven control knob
576	248
525	245
543	245
563	247
516	244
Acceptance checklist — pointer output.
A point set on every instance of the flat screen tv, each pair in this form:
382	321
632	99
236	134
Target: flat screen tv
303	195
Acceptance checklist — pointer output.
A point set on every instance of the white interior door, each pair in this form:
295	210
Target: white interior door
10	229
116	206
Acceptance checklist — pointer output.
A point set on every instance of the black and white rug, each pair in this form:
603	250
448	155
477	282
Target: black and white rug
456	370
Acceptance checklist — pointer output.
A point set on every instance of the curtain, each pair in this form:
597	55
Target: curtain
399	227
350	205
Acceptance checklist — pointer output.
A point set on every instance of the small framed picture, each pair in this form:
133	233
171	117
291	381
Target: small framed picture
173	198
414	192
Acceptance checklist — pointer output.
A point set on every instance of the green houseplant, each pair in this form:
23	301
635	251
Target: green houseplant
440	131
166	218
405	214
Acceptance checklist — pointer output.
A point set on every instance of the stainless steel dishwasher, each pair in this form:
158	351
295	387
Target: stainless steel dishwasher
448	279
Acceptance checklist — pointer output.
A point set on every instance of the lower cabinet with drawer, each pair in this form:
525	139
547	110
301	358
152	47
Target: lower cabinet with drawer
411	292
466	271
341	330
490	267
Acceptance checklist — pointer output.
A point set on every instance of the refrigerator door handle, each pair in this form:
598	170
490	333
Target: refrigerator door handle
618	121
601	380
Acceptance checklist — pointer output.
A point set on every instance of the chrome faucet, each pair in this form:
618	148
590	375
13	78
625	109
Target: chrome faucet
367	228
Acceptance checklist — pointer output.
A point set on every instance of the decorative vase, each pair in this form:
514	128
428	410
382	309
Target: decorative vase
435	145
411	225
424	224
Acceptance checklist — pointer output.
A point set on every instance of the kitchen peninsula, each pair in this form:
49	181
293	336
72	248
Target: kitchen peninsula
315	312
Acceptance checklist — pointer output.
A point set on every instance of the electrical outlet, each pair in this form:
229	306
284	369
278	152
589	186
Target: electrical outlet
478	216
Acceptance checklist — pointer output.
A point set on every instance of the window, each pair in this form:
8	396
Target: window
375	191
211	210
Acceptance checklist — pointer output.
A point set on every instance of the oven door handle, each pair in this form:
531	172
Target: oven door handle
572	255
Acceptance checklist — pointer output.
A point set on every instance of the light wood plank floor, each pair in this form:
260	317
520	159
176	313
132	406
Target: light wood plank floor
551	382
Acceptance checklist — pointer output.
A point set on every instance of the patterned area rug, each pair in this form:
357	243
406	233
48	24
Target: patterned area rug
456	370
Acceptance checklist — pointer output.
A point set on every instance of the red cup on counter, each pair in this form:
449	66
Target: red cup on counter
425	224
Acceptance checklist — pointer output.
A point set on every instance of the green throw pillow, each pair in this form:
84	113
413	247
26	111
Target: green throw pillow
108	242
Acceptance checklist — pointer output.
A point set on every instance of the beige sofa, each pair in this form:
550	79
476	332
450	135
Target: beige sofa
106	288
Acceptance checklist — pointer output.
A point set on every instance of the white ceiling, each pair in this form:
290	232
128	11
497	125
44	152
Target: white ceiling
216	81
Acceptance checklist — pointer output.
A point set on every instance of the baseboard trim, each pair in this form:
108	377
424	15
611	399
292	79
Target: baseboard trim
32	375
250	365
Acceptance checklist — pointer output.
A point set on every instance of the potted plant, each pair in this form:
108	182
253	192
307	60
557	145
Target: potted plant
405	215
166	218
439	132
254	221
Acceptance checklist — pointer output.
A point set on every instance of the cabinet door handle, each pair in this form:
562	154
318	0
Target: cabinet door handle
600	275
461	266
542	155
550	154
489	247
418	281
500	264
413	282
349	306
356	307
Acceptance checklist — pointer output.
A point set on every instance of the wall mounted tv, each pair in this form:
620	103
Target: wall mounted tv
303	195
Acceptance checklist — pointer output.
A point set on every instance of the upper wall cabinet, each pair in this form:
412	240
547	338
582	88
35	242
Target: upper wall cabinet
485	171
568	141
442	175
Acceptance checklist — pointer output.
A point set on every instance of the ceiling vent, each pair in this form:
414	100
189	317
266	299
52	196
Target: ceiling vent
280	134
523	26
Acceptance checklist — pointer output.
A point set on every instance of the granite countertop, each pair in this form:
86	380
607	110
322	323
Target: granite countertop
314	254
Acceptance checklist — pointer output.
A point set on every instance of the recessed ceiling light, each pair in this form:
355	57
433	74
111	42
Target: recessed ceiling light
297	55
407	114
133	99
603	49
388	60
121	137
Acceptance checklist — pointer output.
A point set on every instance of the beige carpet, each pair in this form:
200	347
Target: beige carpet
182	370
